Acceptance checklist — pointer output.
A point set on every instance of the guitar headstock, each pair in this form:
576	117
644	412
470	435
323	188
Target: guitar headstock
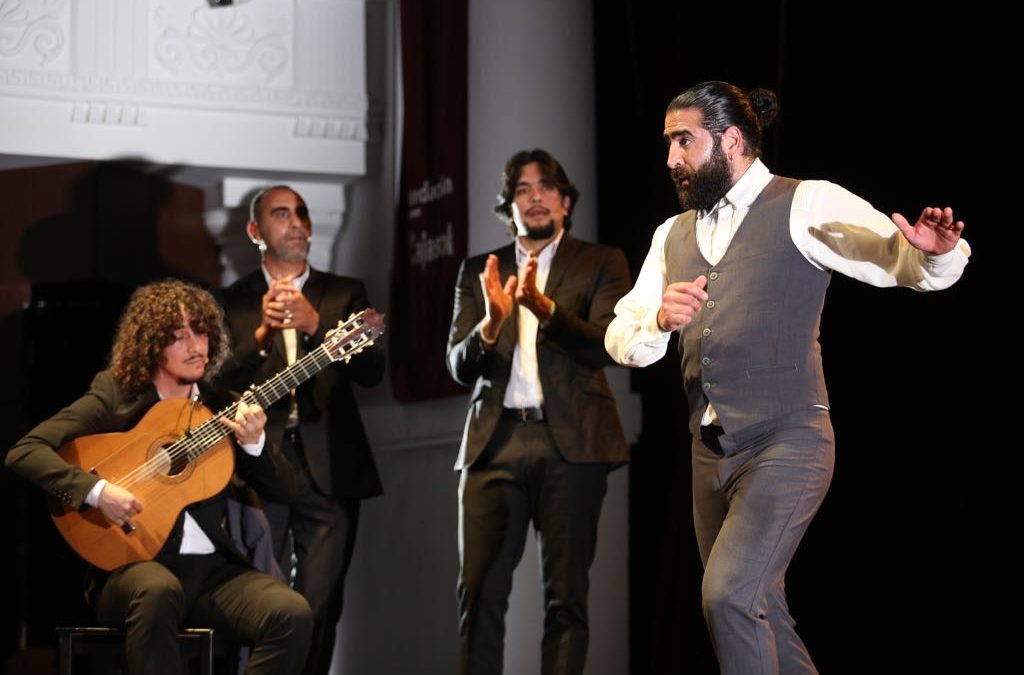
353	336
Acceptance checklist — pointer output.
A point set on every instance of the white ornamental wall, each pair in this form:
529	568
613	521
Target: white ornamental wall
278	86
268	91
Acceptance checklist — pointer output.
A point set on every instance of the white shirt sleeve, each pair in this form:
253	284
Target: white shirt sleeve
837	230
93	498
255	449
633	338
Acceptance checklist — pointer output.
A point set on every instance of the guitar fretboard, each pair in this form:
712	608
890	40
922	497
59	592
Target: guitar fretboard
197	441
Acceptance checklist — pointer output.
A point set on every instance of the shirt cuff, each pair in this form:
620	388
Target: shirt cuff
648	329
93	498
941	263
255	449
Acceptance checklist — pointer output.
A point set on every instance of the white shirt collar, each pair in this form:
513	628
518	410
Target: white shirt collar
545	255
193	394
746	189
298	281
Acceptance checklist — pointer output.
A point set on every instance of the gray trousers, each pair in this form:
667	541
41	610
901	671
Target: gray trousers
752	503
519	478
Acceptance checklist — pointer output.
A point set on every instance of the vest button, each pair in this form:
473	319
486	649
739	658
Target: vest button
706	332
706	361
713	276
711	304
706	386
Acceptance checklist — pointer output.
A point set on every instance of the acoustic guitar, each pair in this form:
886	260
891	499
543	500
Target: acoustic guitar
179	454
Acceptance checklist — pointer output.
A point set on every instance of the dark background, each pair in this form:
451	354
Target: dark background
909	566
82	236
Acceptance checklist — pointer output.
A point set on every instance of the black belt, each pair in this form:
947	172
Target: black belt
524	414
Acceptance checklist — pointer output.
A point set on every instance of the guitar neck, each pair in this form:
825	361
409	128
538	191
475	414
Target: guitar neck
277	387
208	434
339	344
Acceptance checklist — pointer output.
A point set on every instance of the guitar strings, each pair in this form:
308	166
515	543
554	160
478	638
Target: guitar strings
207	434
212	431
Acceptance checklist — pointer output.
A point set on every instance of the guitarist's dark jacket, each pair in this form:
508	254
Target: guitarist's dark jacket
105	408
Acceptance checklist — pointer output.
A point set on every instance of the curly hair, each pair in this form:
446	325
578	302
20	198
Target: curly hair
550	169
147	326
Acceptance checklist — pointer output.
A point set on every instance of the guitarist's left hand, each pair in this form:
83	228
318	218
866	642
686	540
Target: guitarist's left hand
248	423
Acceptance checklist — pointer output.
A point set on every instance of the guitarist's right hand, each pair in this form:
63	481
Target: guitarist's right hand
117	504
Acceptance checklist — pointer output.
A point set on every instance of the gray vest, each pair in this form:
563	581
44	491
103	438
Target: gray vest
752	350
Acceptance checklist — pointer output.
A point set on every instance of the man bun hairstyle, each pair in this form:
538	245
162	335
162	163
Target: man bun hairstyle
724	105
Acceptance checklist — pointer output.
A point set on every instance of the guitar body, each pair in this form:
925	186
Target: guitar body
138	461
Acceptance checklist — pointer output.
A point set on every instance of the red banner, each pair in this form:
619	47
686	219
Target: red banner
431	228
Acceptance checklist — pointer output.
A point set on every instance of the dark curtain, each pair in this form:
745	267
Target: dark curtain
431	226
908	566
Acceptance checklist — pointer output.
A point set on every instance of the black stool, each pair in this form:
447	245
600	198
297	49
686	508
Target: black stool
109	643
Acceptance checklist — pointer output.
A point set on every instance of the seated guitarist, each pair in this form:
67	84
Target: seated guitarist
170	337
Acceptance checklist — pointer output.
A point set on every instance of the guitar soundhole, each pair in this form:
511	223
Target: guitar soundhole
172	466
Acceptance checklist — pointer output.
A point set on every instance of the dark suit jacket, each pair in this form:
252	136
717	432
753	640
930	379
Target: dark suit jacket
335	443
105	409
585	282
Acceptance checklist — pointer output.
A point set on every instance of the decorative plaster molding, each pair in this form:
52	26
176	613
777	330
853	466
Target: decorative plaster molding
331	128
220	44
94	112
36	26
79	78
185	94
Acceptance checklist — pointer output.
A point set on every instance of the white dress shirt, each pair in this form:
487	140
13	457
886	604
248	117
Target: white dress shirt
832	228
291	338
524	390
289	334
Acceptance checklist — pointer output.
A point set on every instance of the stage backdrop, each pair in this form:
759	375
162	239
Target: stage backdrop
431	234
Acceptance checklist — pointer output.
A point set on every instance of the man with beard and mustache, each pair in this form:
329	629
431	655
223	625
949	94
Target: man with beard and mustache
741	274
277	314
543	430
